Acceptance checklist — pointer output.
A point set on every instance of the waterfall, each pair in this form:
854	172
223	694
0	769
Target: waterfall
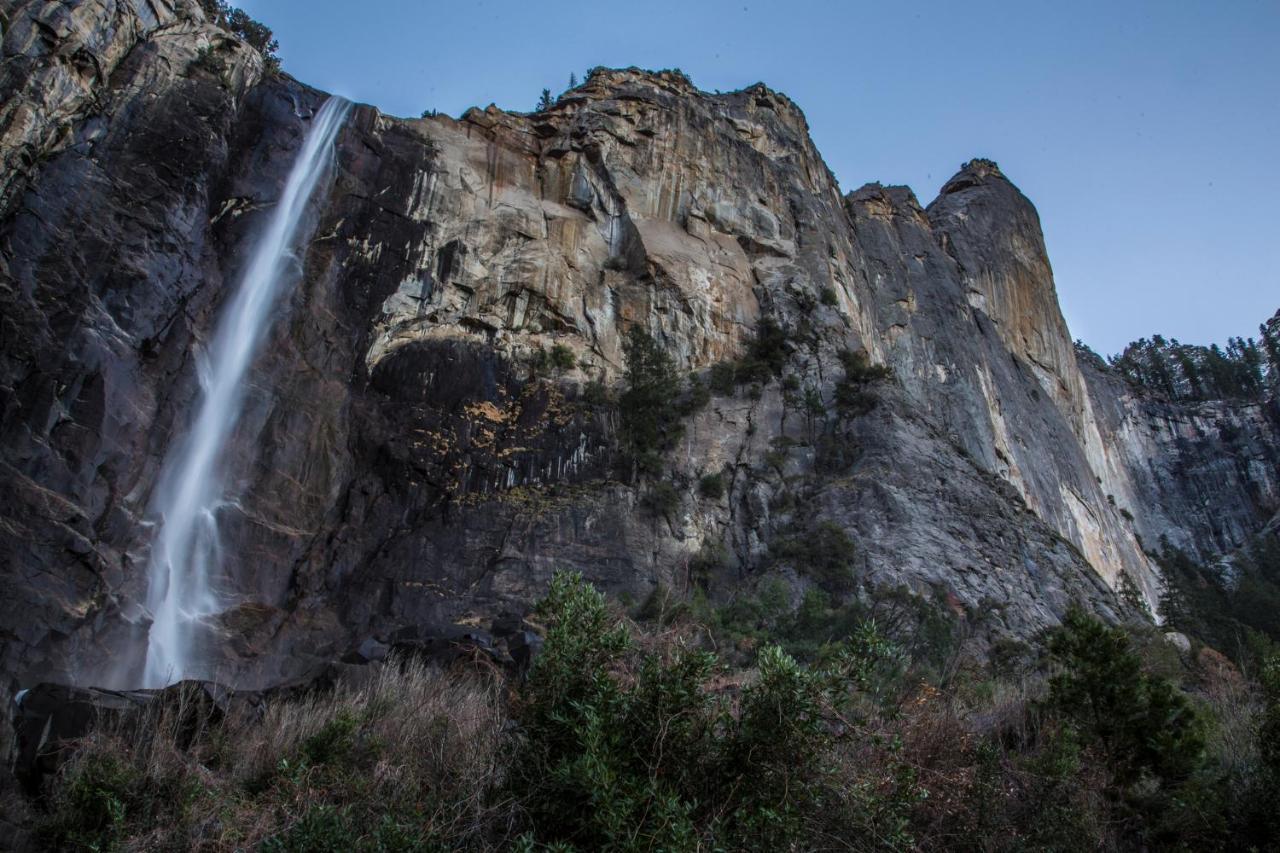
185	547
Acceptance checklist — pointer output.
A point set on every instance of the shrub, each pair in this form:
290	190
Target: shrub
577	769
96	796
661	499
207	60
768	352
711	558
1241	618
618	741
711	486
765	358
824	552
695	398
828	297
859	369
557	360
596	394
330	829
723	378
1141	723
624	752
562	358
852	396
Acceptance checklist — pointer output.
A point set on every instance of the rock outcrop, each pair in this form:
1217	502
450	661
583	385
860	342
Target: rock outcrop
400	464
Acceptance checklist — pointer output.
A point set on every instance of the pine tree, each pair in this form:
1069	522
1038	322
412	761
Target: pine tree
650	423
545	102
1271	343
1185	358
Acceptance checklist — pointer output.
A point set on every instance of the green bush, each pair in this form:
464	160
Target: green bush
596	394
765	358
696	396
824	552
333	743
767	354
619	752
556	360
853	396
103	797
661	499
710	559
562	358
831	739
723	378
1142	724
92	805
711	486
207	60
580	761
1242	618
332	829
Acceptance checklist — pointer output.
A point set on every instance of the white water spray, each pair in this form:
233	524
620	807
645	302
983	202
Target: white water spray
185	550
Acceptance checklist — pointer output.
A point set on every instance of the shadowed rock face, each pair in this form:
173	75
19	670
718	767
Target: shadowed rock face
399	465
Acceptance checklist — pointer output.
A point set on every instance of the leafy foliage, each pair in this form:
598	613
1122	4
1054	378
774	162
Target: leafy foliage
765	358
557	360
824	552
254	33
661	499
853	396
711	486
1142	725
641	754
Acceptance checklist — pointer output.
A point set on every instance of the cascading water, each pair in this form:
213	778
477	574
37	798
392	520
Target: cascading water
184	551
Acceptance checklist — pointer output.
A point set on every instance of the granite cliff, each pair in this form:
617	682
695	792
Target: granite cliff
403	463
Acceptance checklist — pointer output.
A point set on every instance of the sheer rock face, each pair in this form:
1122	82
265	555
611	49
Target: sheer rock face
398	463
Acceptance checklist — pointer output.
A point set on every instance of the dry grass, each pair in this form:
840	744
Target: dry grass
412	740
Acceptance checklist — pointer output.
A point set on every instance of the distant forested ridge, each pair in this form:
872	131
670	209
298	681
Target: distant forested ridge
1246	368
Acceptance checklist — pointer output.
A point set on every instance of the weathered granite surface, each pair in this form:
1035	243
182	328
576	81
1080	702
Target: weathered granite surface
399	464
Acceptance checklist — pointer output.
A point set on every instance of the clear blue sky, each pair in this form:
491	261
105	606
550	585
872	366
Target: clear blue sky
1146	133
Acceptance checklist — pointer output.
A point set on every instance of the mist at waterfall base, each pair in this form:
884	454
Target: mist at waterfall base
185	555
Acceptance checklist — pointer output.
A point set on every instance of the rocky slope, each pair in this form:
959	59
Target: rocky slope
402	465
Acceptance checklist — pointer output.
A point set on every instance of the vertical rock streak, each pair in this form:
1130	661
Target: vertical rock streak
184	554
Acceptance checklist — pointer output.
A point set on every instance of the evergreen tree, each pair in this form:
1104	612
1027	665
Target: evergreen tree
1271	343
1143	725
649	408
1185	359
237	22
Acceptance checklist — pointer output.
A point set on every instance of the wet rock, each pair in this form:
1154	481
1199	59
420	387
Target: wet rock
50	719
